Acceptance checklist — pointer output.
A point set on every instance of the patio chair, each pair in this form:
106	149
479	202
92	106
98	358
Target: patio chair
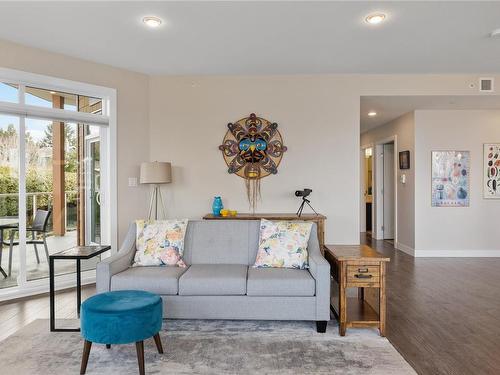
39	225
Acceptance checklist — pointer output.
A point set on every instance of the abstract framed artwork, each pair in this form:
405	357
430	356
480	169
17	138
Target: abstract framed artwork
450	178
404	160
491	170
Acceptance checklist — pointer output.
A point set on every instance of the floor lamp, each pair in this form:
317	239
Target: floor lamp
156	173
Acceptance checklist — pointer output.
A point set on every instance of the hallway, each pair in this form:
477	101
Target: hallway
442	313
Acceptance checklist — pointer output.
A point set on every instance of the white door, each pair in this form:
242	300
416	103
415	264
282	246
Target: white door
388	192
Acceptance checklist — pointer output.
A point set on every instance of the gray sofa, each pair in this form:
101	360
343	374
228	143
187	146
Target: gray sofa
218	282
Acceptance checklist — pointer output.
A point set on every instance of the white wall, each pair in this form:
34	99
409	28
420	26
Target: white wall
455	231
319	120
404	130
189	122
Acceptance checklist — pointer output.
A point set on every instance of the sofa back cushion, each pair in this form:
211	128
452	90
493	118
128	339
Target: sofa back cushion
221	242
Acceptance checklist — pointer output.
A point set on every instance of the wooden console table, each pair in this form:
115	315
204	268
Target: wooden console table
363	268
318	219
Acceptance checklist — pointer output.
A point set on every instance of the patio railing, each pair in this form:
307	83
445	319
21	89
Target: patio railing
34	200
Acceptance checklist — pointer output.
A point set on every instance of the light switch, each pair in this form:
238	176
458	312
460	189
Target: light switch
132	181
402	179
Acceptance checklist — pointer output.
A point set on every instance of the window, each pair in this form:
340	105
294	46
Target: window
50	99
55	159
39	97
9	92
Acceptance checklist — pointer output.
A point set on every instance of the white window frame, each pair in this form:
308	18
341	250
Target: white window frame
109	195
88	197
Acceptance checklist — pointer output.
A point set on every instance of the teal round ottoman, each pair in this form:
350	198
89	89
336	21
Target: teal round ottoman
121	317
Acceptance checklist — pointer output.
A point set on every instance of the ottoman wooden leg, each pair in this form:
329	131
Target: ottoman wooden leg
158	343
139	347
85	357
108	346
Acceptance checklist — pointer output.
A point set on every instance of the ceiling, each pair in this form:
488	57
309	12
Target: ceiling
389	108
264	37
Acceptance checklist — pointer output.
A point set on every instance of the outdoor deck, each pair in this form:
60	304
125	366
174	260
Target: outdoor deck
38	271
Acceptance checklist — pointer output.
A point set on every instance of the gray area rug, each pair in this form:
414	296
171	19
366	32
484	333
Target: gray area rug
209	347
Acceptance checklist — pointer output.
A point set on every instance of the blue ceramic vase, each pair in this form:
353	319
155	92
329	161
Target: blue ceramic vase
217	206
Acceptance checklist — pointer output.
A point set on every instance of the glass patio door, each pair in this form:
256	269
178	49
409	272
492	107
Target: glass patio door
55	160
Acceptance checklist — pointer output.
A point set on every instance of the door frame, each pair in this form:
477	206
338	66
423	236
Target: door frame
89	140
378	183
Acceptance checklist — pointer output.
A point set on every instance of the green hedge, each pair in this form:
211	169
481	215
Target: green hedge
36	181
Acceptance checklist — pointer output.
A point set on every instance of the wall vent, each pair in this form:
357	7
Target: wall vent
486	84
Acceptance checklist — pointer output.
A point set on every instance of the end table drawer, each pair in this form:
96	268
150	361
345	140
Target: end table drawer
363	274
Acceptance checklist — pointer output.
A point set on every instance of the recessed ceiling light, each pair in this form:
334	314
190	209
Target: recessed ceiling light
152	21
375	18
495	33
372	113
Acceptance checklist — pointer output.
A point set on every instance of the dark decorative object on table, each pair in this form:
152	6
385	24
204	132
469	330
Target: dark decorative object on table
404	160
304	194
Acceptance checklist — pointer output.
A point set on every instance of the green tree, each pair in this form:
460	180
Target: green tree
71	155
69	134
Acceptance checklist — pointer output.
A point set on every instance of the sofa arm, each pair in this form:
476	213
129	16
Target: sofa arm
116	263
320	271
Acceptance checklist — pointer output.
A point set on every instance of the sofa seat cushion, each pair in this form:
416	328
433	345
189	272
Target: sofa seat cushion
280	282
214	280
160	279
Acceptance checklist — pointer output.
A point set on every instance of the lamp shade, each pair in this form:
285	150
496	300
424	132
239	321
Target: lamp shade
156	172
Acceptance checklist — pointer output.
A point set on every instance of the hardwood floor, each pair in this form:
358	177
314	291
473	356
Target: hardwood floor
16	314
442	313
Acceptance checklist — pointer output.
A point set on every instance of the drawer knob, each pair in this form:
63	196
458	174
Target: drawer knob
362	276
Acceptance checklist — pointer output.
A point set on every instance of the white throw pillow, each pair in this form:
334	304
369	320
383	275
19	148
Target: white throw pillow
160	242
283	244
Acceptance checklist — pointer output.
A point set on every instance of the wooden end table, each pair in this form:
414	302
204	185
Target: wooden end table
77	253
363	268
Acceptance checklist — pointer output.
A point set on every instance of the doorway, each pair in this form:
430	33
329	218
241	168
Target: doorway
366	208
385	196
388	191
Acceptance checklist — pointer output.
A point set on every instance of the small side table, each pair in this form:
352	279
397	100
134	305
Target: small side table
77	253
363	268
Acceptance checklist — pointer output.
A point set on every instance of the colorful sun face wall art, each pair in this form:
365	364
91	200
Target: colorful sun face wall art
491	170
450	178
252	149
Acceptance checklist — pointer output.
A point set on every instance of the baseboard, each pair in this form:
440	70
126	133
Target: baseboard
457	253
405	249
447	253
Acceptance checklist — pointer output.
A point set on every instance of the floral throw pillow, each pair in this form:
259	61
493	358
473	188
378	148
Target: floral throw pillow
283	244
160	242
